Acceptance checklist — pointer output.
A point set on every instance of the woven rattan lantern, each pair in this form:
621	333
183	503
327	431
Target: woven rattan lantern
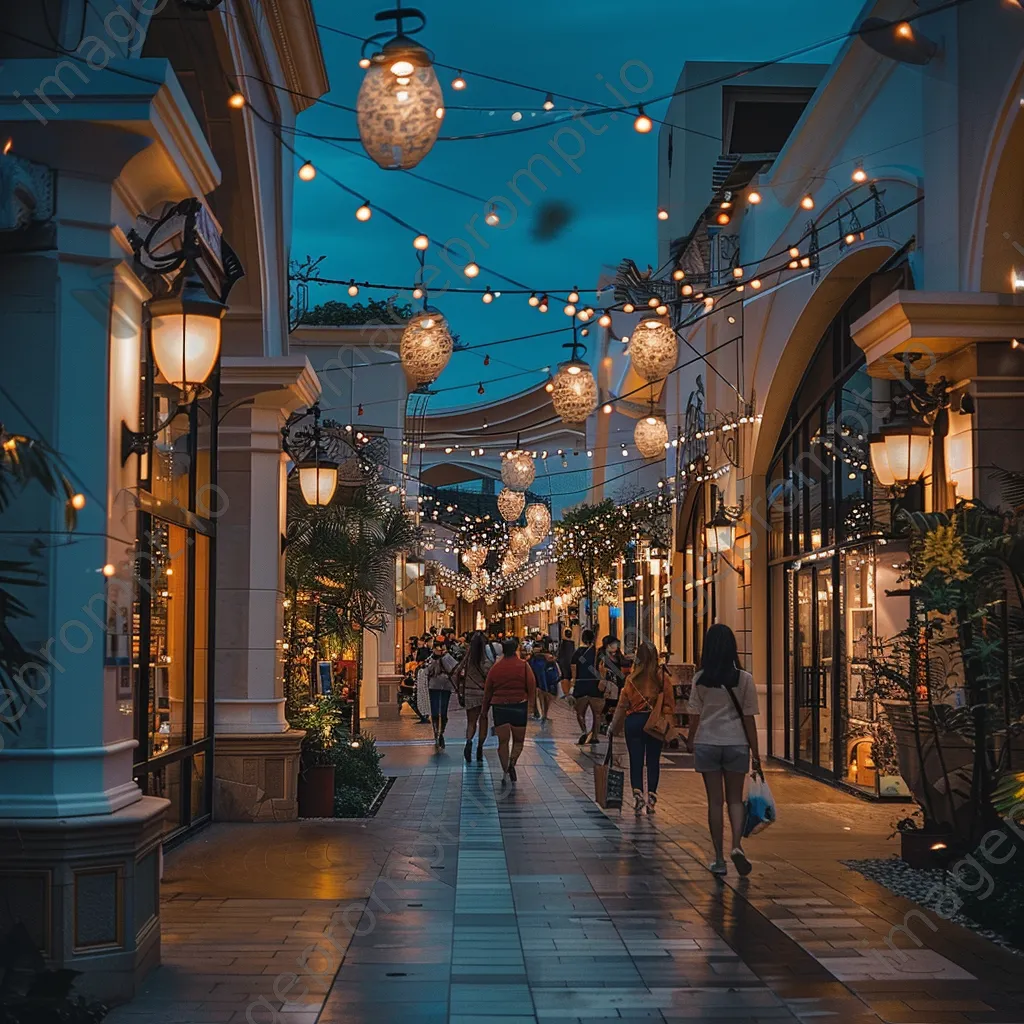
574	395
520	540
654	348
651	436
426	346
511	504
474	557
538	521
517	470
400	106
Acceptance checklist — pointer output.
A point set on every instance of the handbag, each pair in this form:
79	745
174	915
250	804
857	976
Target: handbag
661	723
609	782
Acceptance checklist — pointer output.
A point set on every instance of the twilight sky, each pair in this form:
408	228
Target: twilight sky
570	47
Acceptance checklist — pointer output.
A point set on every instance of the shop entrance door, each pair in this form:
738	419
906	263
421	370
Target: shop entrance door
813	666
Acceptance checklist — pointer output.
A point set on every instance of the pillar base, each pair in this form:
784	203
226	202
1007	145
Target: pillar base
256	776
388	708
87	889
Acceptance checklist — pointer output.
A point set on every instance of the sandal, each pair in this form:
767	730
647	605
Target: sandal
638	801
739	858
652	799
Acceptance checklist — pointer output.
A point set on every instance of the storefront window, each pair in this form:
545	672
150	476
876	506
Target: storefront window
827	528
173	613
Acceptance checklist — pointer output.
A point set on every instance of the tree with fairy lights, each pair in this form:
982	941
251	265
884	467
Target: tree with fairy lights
589	541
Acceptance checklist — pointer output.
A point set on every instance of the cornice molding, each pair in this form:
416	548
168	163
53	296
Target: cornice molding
297	40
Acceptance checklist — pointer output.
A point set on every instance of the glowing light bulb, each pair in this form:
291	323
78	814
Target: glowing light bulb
471	270
643	124
662	214
859	174
607	408
549	102
628	307
364	213
723	218
753	198
364	62
492	218
661	310
487	297
307	172
78	501
458	82
755	284
793	252
570	309
737	272
109	569
652	302
574	296
805	261
807	202
850	239
687	289
236	101
678	274
417	292
709	302
904	31
605	320
794	265
533	300
420	242
353	289
549	387
402	68
543	307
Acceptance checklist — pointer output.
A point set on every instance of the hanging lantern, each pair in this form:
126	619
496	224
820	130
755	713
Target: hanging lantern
653	348
574	391
400	105
470	593
517	470
719	532
538	521
651	436
906	443
511	504
520	540
474	557
318	478
426	346
185	335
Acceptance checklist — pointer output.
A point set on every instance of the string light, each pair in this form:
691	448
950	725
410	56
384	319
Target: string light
737	272
755	284
686	290
364	62
458	82
607	408
417	292
492	219
364	213
421	242
549	102
574	296
307	172
662	214
628	307
807	202
723	218
753	198
236	101
793	252
643	124
605	320
353	289
543	307
678	274
78	502
533	300
859	174
471	270
569	310
487	297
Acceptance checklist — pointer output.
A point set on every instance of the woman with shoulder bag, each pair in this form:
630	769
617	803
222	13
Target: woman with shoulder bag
645	714
723	737
439	683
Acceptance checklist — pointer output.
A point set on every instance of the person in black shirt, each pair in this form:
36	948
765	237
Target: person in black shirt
585	687
564	658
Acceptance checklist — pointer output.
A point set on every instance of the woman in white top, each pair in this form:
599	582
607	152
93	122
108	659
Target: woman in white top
723	703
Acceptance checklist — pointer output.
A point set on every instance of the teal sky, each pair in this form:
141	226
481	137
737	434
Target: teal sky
559	47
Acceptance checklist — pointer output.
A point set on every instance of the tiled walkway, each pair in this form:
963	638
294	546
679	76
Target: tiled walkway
464	903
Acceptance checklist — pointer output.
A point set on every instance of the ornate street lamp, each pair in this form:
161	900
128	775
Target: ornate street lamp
185	334
314	452
400	106
720	531
653	348
574	389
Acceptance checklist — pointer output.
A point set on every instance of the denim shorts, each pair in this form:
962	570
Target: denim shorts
715	757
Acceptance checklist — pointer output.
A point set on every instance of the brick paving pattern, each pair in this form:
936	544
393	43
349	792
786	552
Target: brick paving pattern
461	902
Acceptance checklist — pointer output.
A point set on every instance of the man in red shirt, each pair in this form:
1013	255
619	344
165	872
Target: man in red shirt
510	690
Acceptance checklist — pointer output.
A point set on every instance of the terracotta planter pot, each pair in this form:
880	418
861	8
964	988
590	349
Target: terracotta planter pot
918	849
316	792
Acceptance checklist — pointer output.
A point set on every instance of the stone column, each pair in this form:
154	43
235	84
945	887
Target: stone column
257	753
79	843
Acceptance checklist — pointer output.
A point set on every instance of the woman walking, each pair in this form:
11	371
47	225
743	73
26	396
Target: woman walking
439	683
471	676
611	668
585	689
639	697
723	736
509	691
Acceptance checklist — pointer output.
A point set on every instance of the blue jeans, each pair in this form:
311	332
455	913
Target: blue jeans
642	748
439	700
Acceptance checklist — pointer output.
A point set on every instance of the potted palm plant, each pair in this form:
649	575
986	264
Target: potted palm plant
323	721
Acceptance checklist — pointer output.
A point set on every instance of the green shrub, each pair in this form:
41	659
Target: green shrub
357	777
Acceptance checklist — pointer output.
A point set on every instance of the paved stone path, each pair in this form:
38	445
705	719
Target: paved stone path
464	903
